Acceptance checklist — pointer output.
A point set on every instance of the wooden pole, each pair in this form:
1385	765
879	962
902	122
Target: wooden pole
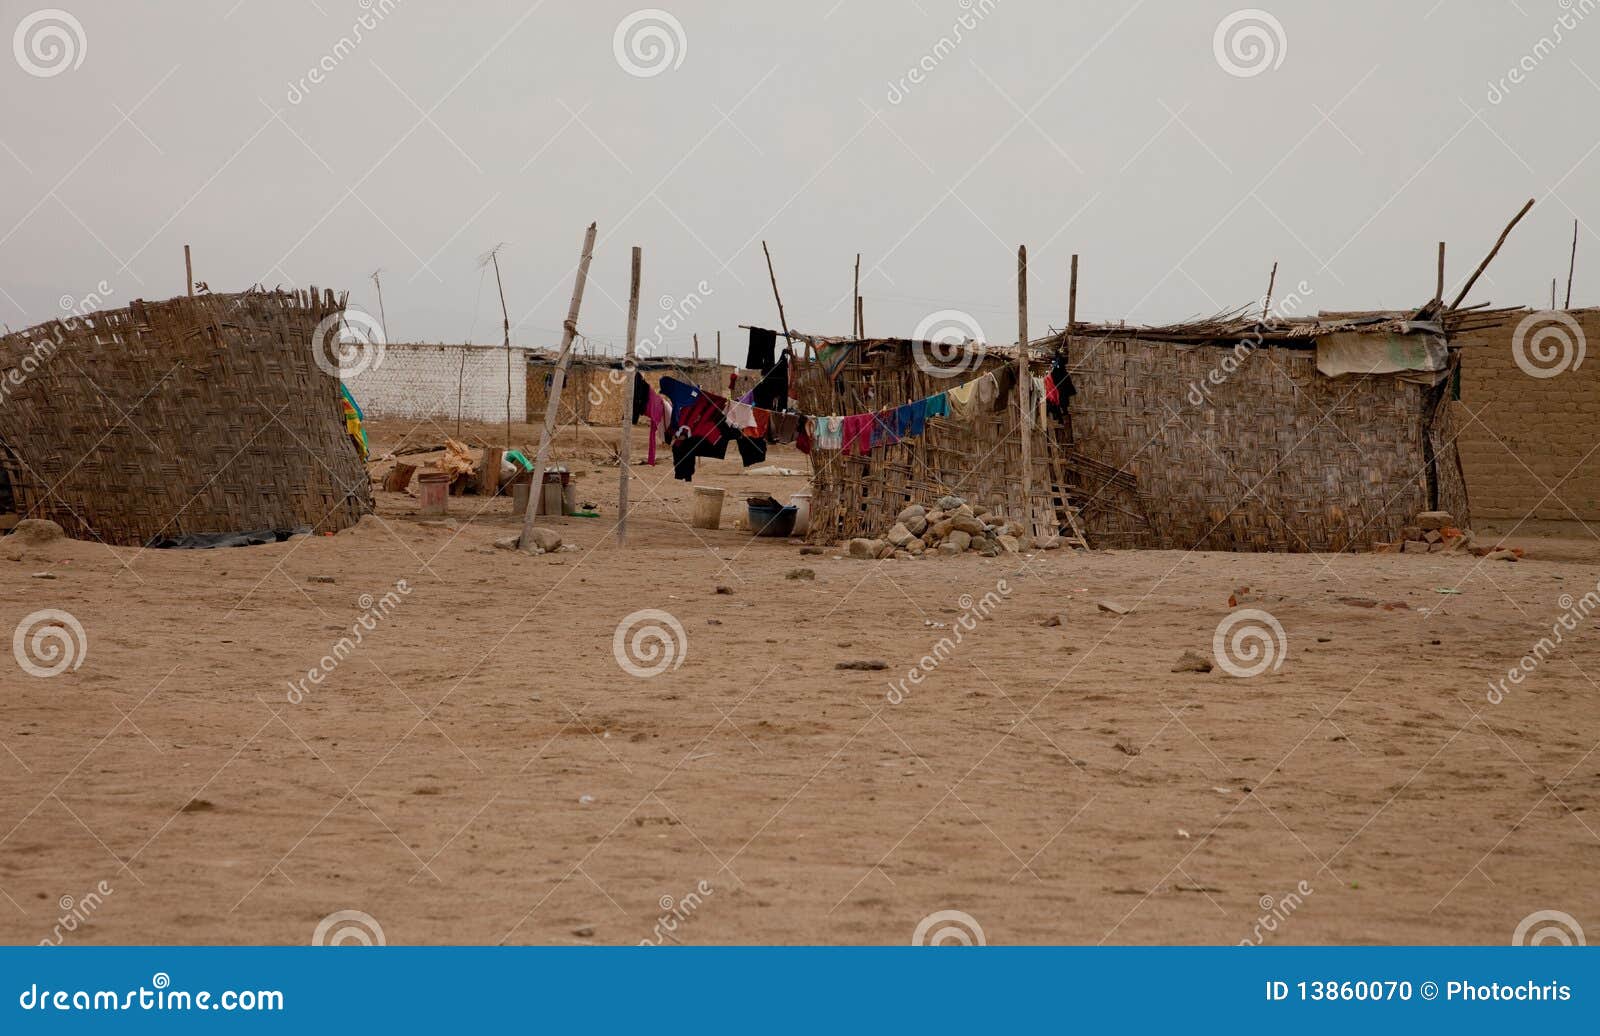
383	318
1072	297
1438	291
784	321
696	348
861	318
1552	293
1492	253
630	366
505	325
569	330
1024	389
188	271
855	301
1572	262
719	351
1266	303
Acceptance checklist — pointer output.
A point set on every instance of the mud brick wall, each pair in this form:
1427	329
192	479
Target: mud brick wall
1529	444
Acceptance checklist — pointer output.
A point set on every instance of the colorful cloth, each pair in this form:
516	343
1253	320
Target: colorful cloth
741	416
936	406
857	435
910	419
827	433
884	428
353	418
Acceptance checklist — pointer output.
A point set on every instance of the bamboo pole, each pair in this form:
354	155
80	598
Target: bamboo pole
188	271
568	331
781	318
855	301
505	325
861	319
1438	291
383	317
630	366
1024	389
1072	298
719	351
1572	262
1266	303
1492	253
696	348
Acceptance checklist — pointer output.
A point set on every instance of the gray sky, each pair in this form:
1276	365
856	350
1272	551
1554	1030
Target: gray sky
1355	137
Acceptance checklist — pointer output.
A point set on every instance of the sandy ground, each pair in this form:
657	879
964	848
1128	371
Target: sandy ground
480	769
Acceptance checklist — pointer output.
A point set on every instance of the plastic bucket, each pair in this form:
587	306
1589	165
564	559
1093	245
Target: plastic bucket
434	487
802	511
771	521
707	507
519	493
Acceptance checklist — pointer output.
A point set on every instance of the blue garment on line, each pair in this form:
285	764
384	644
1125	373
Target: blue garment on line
911	418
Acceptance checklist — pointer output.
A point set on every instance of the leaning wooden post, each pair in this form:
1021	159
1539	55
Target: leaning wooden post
1571	262
787	337
1492	253
1072	300
569	330
1272	280
630	367
697	348
1024	389
1438	292
719	352
188	271
855	300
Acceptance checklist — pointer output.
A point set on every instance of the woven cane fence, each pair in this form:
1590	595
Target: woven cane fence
202	415
1180	452
978	459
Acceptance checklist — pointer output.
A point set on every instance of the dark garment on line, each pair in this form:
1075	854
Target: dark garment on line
772	391
802	435
782	428
641	396
762	343
885	430
911	419
1058	388
686	448
1005	379
751	451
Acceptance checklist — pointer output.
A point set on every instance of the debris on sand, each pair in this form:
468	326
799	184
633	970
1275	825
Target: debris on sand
36	532
871	665
1190	662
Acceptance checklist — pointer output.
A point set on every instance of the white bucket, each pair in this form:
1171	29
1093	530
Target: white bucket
707	507
802	511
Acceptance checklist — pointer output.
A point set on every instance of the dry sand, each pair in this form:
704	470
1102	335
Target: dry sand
481	769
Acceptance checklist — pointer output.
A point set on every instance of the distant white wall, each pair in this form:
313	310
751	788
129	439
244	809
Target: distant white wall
419	381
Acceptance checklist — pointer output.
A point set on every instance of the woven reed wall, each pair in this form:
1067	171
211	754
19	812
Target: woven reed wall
194	415
592	393
1277	458
978	459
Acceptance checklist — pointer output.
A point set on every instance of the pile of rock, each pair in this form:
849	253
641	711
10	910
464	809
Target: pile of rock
952	526
1435	532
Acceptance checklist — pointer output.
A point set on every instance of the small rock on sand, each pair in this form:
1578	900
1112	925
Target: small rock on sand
1191	662
37	531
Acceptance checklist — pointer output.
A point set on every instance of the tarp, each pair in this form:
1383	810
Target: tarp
1349	352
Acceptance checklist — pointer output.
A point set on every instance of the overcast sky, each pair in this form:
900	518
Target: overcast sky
1180	148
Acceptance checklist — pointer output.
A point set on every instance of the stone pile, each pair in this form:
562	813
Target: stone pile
952	526
1435	532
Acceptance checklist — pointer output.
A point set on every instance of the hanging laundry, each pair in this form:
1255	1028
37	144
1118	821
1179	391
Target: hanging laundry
782	428
828	432
857	435
741	417
884	431
641	396
802	435
1004	380
772	391
763	422
936	405
910	419
1041	416
659	411
963	399
762	344
751	451
1058	387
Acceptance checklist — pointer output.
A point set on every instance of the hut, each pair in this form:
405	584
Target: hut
1317	434
202	415
589	393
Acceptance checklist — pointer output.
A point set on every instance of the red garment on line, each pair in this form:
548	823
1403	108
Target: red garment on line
857	435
